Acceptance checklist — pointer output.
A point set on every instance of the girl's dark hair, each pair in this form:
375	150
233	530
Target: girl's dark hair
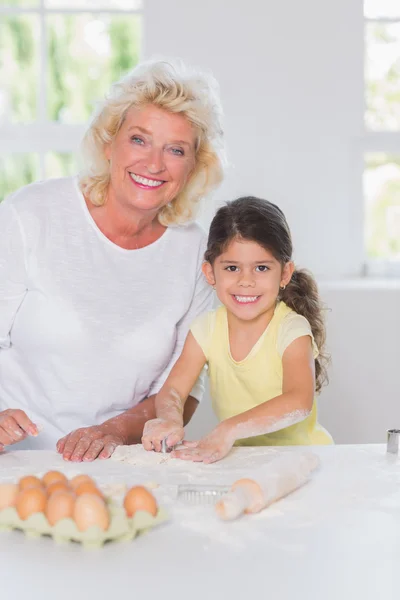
260	221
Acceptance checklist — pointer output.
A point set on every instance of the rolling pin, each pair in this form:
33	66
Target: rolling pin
277	479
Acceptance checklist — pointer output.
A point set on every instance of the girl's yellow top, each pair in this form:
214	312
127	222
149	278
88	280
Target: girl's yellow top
237	386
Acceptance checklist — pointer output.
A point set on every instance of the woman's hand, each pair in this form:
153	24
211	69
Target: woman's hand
15	426
157	430
89	443
215	446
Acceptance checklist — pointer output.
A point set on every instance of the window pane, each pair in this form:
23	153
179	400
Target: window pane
381	8
60	164
19	3
86	53
382	206
19	68
383	76
17	170
95	4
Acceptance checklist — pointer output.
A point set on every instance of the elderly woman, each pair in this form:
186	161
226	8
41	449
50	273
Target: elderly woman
100	275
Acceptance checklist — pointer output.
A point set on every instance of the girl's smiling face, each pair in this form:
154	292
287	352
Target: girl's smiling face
247	279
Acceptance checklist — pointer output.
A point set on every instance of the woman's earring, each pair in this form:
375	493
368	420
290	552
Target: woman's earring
283	287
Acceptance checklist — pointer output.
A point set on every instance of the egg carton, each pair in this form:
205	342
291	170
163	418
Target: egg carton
121	528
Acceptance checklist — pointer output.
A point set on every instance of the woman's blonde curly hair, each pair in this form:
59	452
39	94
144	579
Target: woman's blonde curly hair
176	88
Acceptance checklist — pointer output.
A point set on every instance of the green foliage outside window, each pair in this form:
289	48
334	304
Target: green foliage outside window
382	206
382	74
85	54
17	170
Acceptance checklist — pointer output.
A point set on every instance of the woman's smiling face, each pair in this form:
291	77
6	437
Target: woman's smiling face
151	158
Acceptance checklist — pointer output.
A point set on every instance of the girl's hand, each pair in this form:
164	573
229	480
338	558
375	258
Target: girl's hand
157	430
89	443
215	446
15	426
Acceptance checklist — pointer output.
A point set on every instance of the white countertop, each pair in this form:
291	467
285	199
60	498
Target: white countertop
337	538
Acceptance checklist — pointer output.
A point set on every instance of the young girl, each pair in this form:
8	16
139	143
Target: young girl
263	346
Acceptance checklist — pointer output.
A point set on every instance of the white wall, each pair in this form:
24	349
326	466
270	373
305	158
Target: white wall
362	400
291	81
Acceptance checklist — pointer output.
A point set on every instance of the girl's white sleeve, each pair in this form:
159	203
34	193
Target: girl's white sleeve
201	302
13	273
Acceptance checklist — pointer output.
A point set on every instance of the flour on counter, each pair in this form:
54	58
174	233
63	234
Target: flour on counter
138	456
236	459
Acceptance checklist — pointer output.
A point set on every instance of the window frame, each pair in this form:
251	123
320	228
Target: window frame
42	135
384	141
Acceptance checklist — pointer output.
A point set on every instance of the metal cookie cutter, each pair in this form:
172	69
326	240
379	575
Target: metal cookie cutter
165	448
201	494
393	441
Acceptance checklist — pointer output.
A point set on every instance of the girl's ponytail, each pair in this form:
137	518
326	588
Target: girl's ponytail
301	295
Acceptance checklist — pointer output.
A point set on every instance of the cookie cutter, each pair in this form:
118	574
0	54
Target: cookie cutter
392	446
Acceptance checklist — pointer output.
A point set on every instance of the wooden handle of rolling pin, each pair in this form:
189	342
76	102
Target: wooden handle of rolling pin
277	479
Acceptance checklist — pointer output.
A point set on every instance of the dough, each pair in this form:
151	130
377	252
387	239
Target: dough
137	455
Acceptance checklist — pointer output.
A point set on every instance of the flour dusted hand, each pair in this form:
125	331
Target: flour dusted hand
15	426
89	443
215	446
157	430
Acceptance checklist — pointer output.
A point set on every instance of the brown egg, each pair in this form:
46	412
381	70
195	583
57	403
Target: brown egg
57	486
29	481
52	477
8	494
78	479
88	487
60	505
30	501
138	498
91	510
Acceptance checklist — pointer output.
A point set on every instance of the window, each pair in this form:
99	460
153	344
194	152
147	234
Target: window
382	148
57	59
